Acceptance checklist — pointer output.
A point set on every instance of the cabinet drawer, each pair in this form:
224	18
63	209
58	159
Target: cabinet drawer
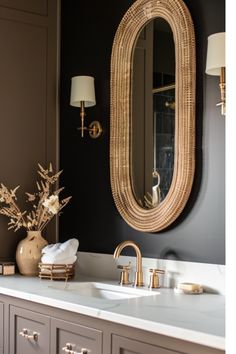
23	324
122	345
79	336
1	327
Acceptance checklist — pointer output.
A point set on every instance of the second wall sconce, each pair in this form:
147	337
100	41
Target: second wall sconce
215	64
83	95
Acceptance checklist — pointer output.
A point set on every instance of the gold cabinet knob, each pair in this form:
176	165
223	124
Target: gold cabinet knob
154	278
124	274
25	333
69	349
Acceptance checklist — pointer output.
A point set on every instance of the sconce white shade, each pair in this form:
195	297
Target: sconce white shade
82	89
215	54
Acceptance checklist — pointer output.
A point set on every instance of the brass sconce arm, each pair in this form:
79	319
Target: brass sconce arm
94	129
82	115
222	86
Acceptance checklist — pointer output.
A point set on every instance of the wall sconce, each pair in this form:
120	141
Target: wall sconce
215	64
83	95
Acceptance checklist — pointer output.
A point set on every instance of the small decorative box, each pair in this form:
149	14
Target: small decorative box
7	268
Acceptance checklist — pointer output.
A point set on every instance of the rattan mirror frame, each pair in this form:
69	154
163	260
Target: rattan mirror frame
140	13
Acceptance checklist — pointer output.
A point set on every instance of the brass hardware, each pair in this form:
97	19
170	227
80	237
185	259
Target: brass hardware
124	275
94	129
82	115
170	105
222	86
138	274
25	333
154	279
68	349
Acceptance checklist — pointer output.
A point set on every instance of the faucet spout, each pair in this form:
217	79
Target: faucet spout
139	273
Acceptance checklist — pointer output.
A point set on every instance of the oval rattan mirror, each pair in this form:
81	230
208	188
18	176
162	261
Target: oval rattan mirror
138	15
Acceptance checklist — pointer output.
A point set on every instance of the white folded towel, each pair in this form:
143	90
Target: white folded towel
59	252
49	259
51	248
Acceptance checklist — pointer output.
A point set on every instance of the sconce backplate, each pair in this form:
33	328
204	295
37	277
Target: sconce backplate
95	129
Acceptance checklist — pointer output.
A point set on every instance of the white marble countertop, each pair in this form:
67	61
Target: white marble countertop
195	318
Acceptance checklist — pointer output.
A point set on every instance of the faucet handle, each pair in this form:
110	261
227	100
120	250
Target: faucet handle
124	274
154	279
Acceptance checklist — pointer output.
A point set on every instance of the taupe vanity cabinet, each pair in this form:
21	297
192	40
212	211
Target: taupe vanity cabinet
31	328
122	345
65	333
29	332
32	332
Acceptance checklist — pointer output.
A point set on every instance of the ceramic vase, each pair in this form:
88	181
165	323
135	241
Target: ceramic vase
28	253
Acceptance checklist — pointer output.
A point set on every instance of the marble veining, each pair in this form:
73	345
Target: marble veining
196	318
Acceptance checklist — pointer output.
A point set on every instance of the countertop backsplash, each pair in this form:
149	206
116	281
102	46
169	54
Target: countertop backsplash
210	276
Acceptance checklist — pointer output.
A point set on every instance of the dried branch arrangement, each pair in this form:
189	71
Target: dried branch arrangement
45	203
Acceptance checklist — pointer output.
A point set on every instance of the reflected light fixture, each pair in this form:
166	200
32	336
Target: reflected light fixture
215	64
83	95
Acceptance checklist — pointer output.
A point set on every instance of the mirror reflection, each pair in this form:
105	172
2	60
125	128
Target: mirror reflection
153	113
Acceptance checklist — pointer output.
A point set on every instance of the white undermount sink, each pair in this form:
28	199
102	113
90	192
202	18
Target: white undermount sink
102	290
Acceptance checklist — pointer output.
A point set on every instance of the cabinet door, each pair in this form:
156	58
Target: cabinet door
1	328
68	335
122	345
29	332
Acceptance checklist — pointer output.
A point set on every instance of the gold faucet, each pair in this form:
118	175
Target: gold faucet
139	273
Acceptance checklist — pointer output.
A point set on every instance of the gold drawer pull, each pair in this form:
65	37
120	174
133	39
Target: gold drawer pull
25	333
68	349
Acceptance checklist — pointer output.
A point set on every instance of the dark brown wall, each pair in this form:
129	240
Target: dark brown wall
28	100
87	34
